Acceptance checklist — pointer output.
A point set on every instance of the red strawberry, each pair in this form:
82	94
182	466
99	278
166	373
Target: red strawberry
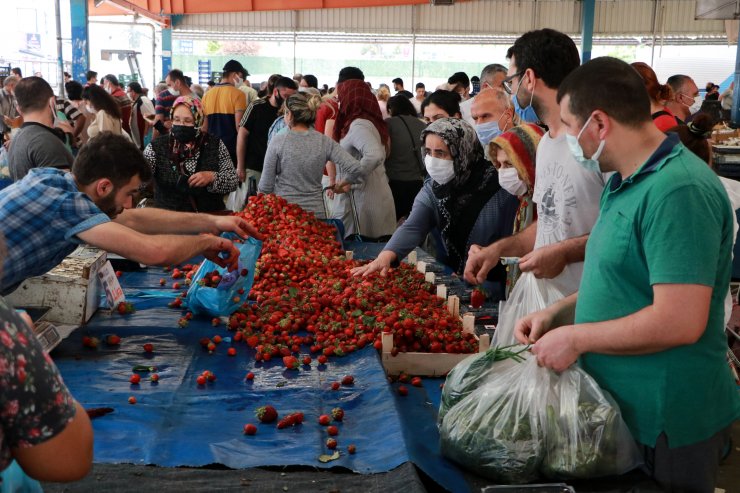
119	273
286	422
266	414
122	308
337	413
201	380
324	420
148	347
335	386
351	449
211	347
135	378
331	443
154	377
332	431
244	272
250	376
403	378
477	297
250	429
91	342
348	380
403	390
216	321
217	339
231	351
162	282
113	340
306	360
323	359
210	376
416	381
132	400
291	362
176	285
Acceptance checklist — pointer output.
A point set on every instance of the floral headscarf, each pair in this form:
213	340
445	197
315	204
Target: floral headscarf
180	151
195	106
462	199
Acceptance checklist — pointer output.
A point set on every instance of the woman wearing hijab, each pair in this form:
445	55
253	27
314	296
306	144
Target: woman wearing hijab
360	130
513	155
192	169
461	197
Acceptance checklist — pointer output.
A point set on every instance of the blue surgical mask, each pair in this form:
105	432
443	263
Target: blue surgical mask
525	114
592	163
487	132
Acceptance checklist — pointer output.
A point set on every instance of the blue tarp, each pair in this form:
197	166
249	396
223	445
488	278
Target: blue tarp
177	423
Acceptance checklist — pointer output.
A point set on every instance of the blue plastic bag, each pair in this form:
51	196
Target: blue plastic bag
220	300
14	480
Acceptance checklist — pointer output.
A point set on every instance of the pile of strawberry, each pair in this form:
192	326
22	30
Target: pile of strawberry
303	282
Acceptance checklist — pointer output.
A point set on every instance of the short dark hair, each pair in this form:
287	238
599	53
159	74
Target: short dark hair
398	81
677	81
136	87
32	94
17	71
67	74
286	83
91	74
447	100
176	74
621	92
420	85
210	83
551	54
399	105
350	73
188	81
311	80
101	100
112	79
74	90
460	78
110	156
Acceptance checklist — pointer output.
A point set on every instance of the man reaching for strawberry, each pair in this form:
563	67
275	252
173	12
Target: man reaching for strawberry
48	213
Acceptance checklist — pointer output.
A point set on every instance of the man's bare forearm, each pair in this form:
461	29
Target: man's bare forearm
161	221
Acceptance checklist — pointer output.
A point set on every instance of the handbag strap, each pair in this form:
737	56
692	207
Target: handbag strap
414	142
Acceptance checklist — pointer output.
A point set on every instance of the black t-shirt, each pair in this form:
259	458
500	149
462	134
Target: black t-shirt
258	119
405	93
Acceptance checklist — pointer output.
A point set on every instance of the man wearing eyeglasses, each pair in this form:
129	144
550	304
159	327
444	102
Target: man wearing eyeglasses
686	100
567	195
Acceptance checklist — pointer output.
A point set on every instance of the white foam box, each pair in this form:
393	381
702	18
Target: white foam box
70	290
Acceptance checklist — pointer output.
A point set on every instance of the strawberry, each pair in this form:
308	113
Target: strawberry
216	321
250	429
477	297
416	381
211	347
332	431
162	282
121	308
306	360
210	376
403	390
201	380
217	339
119	273
348	380
113	340
91	342
154	377
148	347
132	400
337	413
176	285
291	362
331	443
286	422
323	359
335	386
250	376
231	351
204	341
135	379
324	420
351	449
266	414
403	378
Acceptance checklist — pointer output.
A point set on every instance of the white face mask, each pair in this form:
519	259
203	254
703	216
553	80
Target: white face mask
696	106
441	170
89	108
509	180
238	81
174	92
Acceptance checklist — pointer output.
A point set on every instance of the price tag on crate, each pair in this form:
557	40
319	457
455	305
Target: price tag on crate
113	291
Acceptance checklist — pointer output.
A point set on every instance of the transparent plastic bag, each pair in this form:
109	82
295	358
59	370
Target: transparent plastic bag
472	372
528	296
585	434
236	200
527	421
494	431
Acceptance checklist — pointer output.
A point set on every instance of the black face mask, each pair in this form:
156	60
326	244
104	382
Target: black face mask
279	100
183	133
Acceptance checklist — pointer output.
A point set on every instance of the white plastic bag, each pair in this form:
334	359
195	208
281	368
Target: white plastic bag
528	296
236	199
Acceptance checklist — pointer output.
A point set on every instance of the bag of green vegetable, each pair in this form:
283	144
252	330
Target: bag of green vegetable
529	295
495	431
526	421
473	371
584	431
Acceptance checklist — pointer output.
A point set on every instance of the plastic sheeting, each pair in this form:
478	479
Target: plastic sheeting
177	423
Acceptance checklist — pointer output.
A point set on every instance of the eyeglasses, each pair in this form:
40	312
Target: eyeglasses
507	82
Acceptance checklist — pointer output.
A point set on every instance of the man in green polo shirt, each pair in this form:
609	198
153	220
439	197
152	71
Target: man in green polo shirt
647	322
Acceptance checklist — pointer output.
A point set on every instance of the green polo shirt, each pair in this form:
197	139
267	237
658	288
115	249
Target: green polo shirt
668	223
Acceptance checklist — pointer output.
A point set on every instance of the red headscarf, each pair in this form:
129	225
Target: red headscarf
357	101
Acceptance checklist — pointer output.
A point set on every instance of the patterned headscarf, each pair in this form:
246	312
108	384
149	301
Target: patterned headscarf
462	199
180	151
195	106
520	145
357	101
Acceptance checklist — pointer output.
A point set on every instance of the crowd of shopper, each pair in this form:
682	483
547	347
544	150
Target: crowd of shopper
591	191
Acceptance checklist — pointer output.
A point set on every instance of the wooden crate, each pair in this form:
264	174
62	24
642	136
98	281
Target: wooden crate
430	364
70	290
